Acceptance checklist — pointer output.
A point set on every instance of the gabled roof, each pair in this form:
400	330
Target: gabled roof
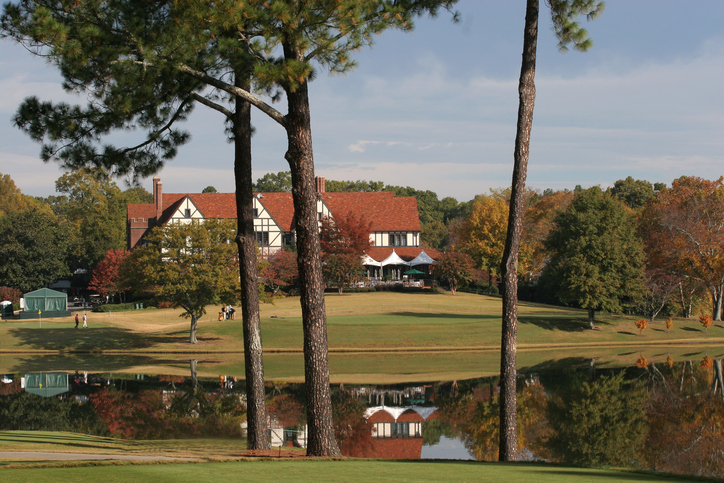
280	207
383	209
212	205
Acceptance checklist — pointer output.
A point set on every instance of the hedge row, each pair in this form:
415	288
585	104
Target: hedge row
120	307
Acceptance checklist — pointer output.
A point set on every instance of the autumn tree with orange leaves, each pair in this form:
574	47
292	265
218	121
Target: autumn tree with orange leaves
705	321
482	234
684	230
538	222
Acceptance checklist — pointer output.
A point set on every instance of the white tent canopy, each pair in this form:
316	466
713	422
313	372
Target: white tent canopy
369	261
393	259
422	259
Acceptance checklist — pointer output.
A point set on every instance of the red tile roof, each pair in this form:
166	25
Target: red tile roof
383	209
280	206
138	211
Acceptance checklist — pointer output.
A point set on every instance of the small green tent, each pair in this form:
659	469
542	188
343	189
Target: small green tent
50	303
47	384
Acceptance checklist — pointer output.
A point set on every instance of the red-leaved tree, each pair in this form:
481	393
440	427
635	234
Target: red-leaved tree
455	267
280	271
344	240
106	279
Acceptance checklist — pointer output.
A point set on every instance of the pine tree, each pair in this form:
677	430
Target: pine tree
564	14
148	64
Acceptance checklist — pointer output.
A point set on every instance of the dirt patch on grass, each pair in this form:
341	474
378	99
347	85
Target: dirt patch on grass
274	453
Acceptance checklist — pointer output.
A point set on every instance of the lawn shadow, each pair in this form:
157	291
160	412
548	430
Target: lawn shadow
623	332
92	340
556	365
690	329
432	315
84	361
565	325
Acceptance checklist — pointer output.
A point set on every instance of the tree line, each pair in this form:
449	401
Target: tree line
636	247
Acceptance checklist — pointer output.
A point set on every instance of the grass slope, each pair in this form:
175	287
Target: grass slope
394	336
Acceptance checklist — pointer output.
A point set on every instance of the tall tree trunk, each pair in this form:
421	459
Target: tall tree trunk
257	437
716	296
508	449
192	334
591	318
321	440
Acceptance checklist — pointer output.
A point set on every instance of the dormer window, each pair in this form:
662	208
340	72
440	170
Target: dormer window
398	239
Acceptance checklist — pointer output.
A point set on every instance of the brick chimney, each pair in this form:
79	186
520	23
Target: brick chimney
321	185
158	197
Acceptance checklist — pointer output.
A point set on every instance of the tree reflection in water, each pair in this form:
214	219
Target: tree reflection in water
686	420
660	415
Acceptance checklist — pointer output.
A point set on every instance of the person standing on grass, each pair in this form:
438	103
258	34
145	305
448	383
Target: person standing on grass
76	321
85	321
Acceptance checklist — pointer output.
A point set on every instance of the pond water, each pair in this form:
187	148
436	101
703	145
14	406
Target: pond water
665	414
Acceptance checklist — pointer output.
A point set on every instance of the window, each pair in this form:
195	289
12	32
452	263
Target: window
396	430
262	238
256	212
187	213
398	239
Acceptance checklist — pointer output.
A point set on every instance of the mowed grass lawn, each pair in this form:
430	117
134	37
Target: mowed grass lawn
365	321
215	468
359	471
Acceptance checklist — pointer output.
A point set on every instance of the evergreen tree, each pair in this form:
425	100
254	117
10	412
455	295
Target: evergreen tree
597	260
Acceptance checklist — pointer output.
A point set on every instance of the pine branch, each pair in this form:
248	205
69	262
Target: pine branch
212	105
237	91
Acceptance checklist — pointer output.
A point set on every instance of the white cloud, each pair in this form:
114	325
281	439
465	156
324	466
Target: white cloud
360	146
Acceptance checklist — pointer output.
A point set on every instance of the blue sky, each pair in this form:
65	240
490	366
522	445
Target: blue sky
435	109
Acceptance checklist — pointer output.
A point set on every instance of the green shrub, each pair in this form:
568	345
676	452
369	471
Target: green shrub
119	307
